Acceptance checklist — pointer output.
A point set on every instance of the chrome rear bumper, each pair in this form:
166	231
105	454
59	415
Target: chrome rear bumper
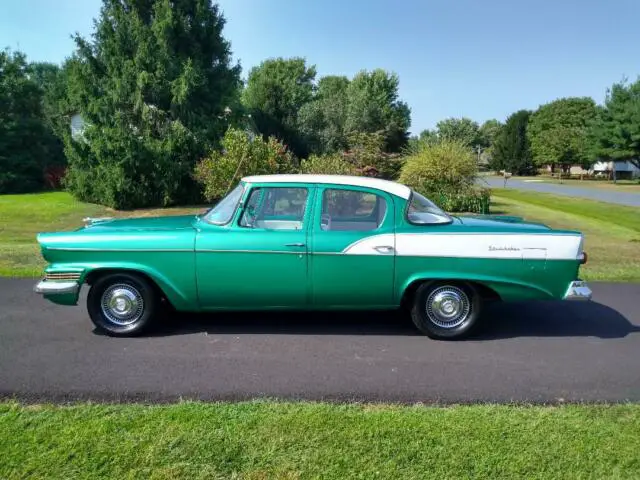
56	288
578	290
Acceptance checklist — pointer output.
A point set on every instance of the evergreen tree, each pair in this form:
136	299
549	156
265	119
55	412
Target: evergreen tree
511	150
27	145
152	85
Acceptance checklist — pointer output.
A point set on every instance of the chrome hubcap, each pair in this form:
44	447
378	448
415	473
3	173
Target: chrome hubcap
448	307
122	304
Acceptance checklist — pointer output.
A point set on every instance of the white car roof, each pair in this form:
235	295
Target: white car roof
393	188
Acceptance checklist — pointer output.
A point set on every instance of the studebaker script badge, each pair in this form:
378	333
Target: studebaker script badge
509	248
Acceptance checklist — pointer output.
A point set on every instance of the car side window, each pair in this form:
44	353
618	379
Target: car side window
351	210
275	208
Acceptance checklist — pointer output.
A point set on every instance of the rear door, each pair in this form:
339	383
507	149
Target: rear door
352	247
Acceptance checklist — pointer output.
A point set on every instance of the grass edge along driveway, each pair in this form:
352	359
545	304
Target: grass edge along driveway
265	439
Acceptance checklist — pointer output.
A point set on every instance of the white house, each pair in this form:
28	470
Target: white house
623	169
77	126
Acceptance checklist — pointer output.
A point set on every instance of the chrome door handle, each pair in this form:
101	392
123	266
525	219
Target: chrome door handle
384	249
298	244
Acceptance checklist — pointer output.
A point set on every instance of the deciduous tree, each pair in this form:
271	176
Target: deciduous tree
374	107
463	130
276	90
558	132
322	120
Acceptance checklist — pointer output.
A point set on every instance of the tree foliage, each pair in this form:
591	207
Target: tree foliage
329	164
276	90
511	151
615	133
322	120
241	155
462	130
374	107
27	145
342	108
558	132
152	86
488	132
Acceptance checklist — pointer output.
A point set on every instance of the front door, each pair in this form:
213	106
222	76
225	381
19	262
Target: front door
260	259
353	248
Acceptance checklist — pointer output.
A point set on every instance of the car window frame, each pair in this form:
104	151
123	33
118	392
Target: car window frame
388	199
235	208
247	195
408	220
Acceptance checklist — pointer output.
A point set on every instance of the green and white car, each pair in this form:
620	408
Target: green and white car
320	242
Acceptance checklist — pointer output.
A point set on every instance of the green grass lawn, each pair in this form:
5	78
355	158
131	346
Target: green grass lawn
612	232
23	216
264	440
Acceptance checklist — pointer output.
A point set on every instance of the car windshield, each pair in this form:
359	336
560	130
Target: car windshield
423	211
222	212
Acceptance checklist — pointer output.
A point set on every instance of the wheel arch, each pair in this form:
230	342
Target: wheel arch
485	292
164	288
489	288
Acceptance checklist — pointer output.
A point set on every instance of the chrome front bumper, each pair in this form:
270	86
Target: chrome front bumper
578	290
56	288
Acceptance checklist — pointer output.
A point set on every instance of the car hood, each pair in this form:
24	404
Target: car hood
177	222
502	223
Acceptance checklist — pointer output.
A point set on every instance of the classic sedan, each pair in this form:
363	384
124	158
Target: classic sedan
303	242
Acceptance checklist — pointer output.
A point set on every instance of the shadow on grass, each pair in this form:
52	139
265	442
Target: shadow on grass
508	320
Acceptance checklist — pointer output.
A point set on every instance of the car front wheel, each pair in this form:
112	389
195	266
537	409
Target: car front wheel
446	310
122	304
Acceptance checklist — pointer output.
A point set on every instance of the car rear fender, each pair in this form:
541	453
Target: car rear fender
506	288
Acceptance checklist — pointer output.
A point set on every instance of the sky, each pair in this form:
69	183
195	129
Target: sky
479	59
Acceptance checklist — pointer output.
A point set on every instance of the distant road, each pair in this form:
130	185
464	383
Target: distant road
621	198
537	352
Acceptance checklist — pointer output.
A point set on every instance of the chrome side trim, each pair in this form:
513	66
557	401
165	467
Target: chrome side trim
92	249
578	290
212	250
56	288
60	276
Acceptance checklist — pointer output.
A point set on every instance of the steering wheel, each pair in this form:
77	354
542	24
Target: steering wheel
325	221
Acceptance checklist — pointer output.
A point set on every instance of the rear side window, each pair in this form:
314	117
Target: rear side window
351	210
422	211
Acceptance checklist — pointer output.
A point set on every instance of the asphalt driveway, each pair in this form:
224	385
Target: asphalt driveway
543	352
622	198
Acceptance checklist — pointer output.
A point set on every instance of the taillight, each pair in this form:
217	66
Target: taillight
582	258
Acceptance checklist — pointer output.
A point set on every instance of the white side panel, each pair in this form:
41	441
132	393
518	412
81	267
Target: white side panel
514	246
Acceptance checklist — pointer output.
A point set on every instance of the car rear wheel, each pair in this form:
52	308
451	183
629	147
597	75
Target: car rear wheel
122	304
446	310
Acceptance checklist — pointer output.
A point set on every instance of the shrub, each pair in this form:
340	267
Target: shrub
333	164
473	200
446	172
241	155
368	158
